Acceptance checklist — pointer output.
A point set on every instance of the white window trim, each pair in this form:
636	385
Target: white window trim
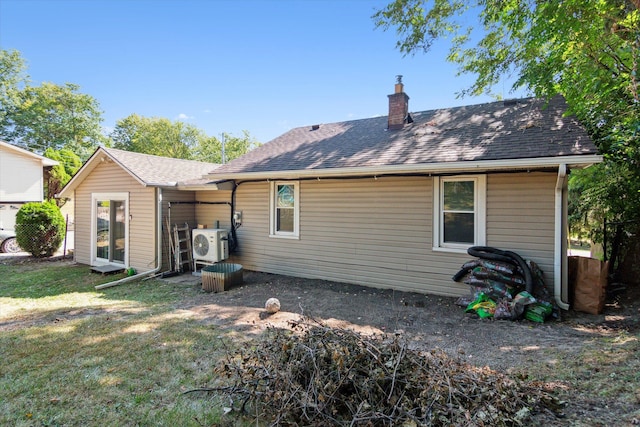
480	213
109	196
273	185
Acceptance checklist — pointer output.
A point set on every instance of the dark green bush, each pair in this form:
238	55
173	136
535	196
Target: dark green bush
40	228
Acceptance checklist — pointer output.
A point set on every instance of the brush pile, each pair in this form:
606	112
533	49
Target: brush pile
318	376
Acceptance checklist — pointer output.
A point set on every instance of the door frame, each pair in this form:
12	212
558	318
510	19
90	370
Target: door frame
116	196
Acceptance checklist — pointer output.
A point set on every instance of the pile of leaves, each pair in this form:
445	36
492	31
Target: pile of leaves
316	375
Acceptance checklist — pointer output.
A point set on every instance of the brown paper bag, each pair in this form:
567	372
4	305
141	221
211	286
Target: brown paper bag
589	284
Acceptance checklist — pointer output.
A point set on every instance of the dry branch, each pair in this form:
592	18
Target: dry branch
318	375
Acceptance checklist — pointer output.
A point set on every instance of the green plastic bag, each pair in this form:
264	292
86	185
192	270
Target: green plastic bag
483	306
538	312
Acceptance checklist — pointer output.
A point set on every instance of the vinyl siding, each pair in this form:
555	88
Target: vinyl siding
201	208
371	232
213	208
177	209
107	177
520	217
378	232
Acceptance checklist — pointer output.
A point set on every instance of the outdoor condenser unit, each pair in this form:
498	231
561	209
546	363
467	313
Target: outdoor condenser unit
210	244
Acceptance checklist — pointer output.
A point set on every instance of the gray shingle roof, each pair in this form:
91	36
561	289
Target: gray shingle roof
522	129
161	171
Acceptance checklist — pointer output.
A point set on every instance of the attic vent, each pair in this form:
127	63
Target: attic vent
315	127
508	102
409	119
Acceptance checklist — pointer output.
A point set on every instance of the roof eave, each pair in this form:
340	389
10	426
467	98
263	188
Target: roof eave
160	184
98	156
576	161
224	185
44	160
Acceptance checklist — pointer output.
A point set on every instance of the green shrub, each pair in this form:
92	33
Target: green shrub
40	228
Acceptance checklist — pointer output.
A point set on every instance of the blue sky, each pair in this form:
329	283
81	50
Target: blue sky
227	66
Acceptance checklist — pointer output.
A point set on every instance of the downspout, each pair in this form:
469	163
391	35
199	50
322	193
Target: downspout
234	235
158	249
559	253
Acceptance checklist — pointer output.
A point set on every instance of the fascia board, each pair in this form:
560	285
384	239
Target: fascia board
96	158
80	175
223	186
449	167
45	160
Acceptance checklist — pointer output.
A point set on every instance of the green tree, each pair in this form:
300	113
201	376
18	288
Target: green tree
59	175
53	120
40	228
158	136
12	79
210	149
587	51
53	116
584	50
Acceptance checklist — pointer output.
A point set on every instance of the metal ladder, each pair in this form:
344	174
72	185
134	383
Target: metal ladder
183	254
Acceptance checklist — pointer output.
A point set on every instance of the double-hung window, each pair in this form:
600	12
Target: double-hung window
459	212
285	209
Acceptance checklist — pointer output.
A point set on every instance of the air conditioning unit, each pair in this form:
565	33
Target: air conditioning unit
210	244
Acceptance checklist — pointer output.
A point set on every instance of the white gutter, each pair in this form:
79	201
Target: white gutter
158	250
213	185
559	253
443	167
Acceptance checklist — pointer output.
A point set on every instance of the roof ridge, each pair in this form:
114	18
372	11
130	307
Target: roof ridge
135	153
528	99
497	131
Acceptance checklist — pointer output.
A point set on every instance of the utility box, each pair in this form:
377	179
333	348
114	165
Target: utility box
210	245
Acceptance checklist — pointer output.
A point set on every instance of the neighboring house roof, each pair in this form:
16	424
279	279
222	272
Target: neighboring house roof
147	169
506	134
44	160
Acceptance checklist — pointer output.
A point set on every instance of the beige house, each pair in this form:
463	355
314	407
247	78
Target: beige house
121	207
395	202
388	202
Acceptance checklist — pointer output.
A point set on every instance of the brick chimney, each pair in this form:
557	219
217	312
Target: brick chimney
398	106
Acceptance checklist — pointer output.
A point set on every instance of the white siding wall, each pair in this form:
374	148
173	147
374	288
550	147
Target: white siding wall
20	178
378	232
108	177
20	181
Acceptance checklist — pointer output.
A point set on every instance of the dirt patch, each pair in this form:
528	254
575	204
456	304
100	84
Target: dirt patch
429	322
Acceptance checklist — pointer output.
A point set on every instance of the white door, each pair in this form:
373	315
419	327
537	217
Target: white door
110	228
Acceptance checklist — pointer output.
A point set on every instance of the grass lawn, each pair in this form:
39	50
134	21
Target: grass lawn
125	355
122	356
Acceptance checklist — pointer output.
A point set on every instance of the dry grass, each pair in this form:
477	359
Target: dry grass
122	356
604	377
70	355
